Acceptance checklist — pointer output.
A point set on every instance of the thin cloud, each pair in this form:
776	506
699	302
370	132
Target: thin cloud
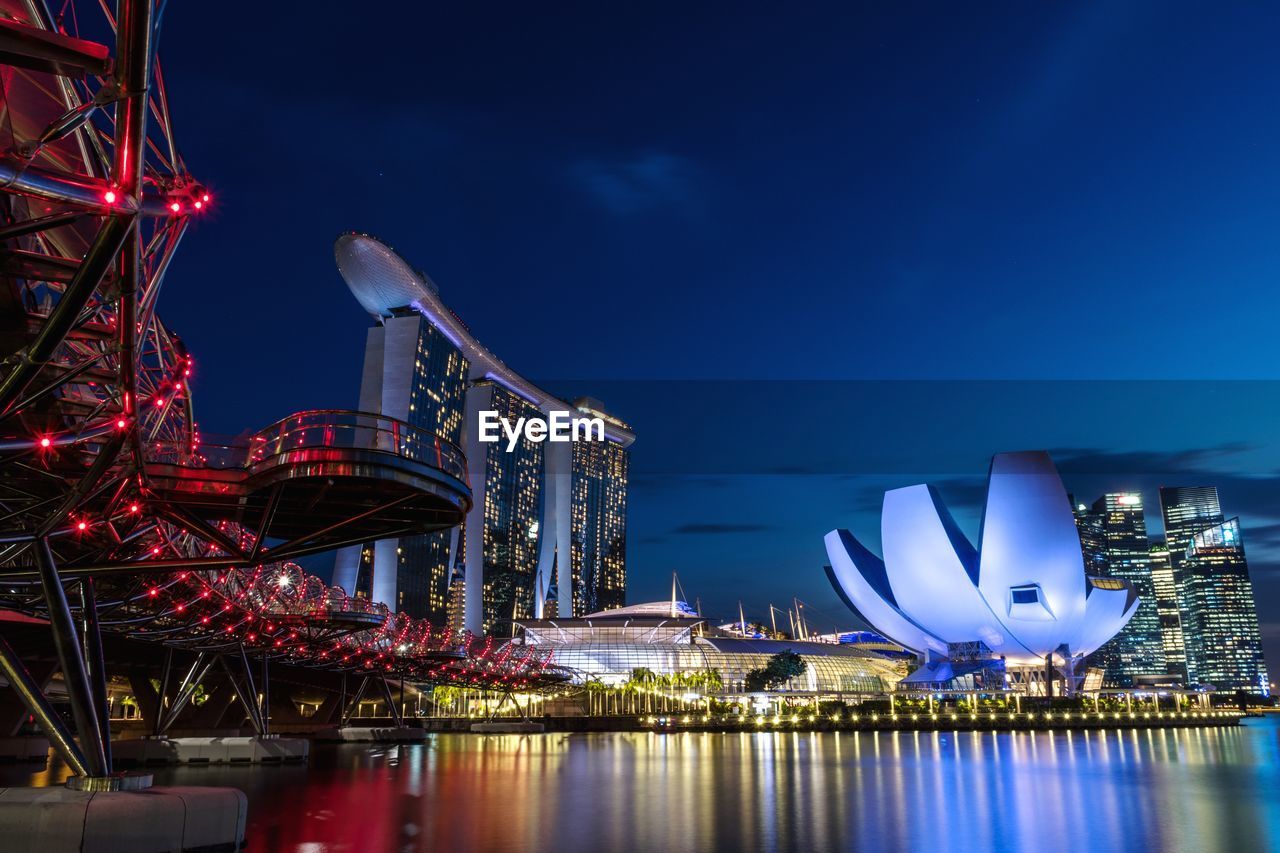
718	529
652	181
1197	461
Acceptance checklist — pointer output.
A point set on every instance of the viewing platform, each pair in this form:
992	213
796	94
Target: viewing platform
318	480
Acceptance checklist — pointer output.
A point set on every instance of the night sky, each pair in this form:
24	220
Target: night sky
734	223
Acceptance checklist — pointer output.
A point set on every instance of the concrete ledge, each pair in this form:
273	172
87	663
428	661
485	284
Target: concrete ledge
51	820
210	750
518	727
28	748
362	734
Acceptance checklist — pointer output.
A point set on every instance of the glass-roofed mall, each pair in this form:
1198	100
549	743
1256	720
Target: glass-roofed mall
669	638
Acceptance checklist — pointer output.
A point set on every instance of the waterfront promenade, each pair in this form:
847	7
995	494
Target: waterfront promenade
875	721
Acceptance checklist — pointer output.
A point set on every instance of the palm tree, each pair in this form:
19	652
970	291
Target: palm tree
645	679
712	680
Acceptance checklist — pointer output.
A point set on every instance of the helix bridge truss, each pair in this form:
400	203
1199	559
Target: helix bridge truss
116	515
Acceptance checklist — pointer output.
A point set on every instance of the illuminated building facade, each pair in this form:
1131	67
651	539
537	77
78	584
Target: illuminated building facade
547	518
1187	510
670	638
599	518
1218	617
414	373
1114	541
1175	653
1093	544
506	485
1022	598
1224	648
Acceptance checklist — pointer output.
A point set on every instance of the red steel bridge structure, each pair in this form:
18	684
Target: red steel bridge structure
116	515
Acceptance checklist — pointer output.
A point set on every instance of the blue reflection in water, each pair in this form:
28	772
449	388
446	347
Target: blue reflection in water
1175	790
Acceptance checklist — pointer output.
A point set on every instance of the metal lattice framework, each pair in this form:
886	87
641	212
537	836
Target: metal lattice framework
114	513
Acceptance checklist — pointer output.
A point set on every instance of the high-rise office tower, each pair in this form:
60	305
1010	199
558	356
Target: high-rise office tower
1215	594
1224	647
1113	536
533	501
1175	654
1187	510
1093	542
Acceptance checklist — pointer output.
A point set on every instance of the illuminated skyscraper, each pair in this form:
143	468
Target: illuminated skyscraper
414	373
1093	544
599	522
1215	595
1175	653
1224	647
532	503
1115	543
1187	510
506	485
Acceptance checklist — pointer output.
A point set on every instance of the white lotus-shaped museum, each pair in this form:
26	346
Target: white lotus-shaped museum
1022	592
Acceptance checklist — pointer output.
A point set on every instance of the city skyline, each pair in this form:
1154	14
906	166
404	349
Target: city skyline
947	329
1051	199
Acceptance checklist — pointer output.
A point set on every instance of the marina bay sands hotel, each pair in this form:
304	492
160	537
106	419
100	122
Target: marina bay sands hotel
547	532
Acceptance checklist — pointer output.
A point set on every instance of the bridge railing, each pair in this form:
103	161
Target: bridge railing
318	429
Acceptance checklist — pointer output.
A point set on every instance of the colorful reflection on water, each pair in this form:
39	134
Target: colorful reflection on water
1170	790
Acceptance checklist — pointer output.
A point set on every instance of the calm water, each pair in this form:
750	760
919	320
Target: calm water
1184	790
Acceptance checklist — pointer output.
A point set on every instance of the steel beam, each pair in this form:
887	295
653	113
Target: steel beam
255	709
391	702
35	49
199	669
349	712
21	682
43	223
88	276
79	690
163	692
95	661
247	701
133	75
133	54
264	710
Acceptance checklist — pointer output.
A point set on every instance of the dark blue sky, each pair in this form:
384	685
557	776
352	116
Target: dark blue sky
626	194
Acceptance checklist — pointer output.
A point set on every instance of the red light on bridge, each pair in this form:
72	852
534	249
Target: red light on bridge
82	526
45	442
175	206
109	196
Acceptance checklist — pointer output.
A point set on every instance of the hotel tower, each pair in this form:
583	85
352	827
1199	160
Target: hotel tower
547	530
